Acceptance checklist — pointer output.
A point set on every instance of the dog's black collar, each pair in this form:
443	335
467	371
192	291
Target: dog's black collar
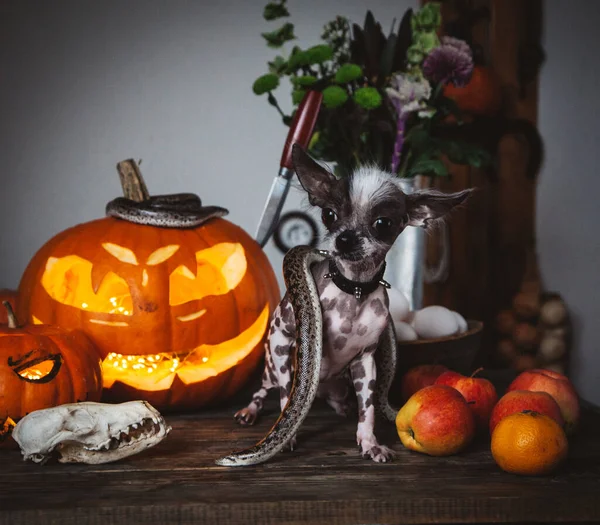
359	289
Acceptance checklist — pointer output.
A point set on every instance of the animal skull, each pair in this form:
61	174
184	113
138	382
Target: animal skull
90	432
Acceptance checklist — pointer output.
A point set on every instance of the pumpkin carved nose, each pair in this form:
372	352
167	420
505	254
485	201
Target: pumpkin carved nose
347	241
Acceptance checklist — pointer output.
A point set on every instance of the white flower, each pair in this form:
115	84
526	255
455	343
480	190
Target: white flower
409	93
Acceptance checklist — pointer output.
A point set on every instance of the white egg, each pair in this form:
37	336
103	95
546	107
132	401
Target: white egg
435	321
409	317
398	304
462	324
404	332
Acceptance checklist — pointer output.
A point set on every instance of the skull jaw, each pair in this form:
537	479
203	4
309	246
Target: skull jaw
114	432
78	453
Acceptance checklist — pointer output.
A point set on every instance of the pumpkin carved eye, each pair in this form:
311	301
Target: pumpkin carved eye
33	369
220	269
68	280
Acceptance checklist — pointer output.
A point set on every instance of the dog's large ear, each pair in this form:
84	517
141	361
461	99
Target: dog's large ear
316	180
430	205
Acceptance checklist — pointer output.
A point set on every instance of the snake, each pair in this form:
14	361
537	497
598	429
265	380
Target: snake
178	210
304	297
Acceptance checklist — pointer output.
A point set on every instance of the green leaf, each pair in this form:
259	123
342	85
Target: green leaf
448	106
273	10
418	138
348	73
306	80
319	54
278	65
460	152
334	96
478	158
297	96
278	37
428	166
367	97
265	83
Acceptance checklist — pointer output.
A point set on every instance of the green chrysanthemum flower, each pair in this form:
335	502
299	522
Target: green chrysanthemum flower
368	98
427	41
319	54
348	73
306	80
265	84
297	60
334	96
428	18
415	55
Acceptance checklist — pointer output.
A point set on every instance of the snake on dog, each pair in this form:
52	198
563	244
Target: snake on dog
304	298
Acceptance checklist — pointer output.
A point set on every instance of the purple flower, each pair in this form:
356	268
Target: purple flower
449	63
461	45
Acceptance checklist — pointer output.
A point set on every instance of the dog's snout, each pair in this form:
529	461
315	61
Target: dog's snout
347	241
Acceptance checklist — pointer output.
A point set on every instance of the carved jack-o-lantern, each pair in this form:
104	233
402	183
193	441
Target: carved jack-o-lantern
178	314
42	367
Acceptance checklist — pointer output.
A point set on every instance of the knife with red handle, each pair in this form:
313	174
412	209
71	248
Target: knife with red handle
301	131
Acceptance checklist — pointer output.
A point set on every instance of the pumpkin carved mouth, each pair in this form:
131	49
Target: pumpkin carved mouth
157	372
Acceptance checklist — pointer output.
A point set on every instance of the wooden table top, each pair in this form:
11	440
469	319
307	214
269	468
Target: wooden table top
323	481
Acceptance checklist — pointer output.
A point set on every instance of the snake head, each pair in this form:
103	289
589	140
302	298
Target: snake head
228	461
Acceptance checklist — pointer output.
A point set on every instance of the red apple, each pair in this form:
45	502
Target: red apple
436	420
519	400
479	393
419	377
555	384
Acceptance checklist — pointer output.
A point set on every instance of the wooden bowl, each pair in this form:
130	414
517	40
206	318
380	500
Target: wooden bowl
457	352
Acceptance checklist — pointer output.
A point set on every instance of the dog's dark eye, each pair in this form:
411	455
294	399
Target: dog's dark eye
382	225
328	216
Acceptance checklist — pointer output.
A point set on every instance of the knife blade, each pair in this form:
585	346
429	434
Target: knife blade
300	132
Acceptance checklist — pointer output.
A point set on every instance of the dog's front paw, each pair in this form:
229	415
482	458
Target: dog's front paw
246	416
376	452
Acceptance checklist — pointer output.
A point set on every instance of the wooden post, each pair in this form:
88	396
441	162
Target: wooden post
492	235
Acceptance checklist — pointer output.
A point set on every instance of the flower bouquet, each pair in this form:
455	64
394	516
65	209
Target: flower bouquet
383	96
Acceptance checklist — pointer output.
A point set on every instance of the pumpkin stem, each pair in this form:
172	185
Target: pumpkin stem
132	182
10	313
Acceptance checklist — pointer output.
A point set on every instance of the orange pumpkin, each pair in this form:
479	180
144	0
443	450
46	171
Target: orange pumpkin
42	367
481	96
179	315
11	297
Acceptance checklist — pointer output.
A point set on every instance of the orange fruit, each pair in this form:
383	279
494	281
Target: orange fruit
529	443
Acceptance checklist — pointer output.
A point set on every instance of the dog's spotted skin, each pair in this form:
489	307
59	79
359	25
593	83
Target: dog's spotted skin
363	215
352	329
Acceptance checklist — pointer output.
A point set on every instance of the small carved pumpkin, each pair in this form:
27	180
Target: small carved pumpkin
42	367
179	315
11	297
481	96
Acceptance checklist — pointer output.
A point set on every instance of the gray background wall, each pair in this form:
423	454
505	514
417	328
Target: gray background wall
85	84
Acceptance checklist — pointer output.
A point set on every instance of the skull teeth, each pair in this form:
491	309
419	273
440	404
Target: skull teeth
139	431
